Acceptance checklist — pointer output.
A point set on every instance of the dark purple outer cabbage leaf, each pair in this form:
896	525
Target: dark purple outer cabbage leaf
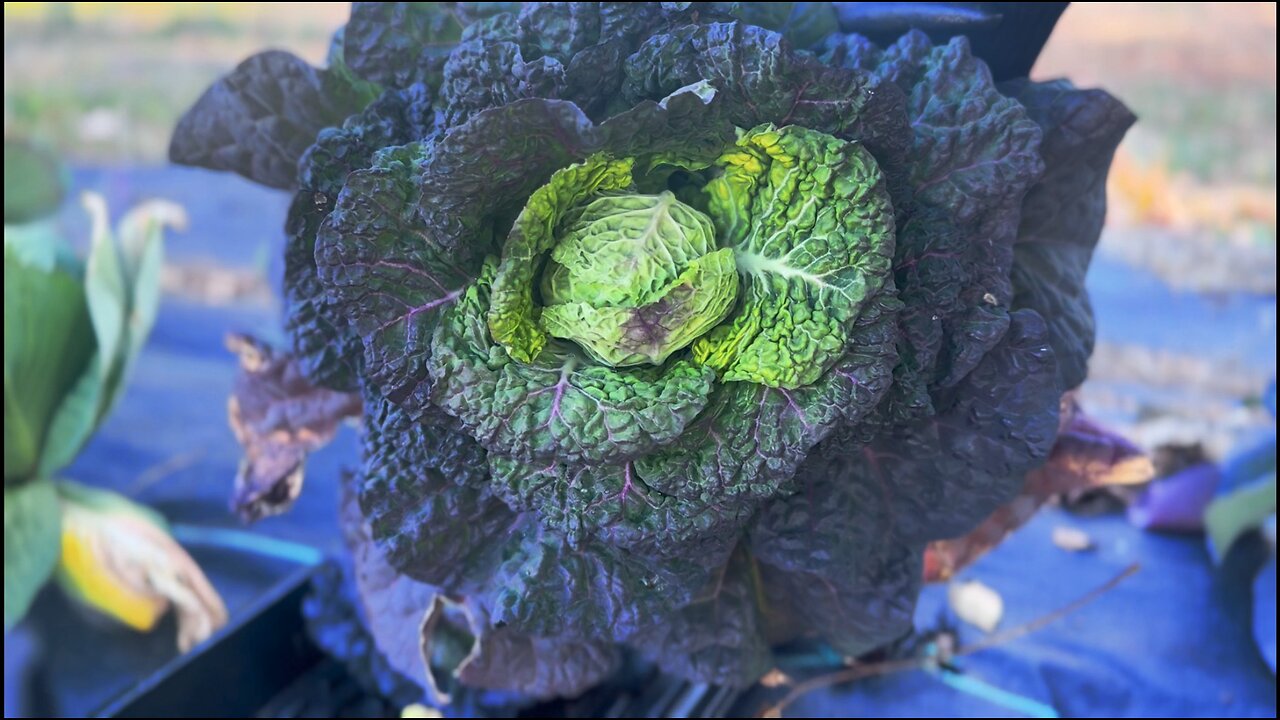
770	513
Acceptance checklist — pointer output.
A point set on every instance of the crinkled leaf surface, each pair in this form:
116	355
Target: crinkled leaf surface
387	272
683	500
649	333
972	155
719	636
323	342
614	504
760	80
570	51
1062	214
423	495
856	613
945	473
407	235
504	659
558	407
804	24
812	232
259	120
853	583
547	587
635	278
1085	455
512	317
466	187
398	44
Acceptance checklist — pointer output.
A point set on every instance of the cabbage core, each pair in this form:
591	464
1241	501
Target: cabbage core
635	278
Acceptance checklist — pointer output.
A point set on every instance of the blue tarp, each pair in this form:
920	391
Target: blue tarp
1172	640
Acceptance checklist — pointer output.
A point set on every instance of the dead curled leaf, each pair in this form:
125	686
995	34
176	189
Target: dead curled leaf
125	565
1086	455
278	417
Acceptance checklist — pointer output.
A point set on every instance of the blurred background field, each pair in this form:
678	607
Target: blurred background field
1194	185
105	82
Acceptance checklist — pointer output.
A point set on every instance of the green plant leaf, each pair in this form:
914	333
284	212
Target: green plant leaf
512	316
122	290
557	406
909	245
32	521
395	44
1063	212
75	419
804	24
48	343
1230	516
34	182
635	278
141	238
107	291
811	226
38	245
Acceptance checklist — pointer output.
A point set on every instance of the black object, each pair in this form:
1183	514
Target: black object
1008	36
235	676
85	665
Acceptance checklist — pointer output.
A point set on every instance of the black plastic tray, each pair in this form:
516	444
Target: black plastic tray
84	665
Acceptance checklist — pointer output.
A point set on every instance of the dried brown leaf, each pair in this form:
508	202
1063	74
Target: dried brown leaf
118	560
278	417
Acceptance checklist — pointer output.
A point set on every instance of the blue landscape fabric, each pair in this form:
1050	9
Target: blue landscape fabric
1173	640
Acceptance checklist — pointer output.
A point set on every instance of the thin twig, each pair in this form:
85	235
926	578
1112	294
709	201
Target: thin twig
859	672
1027	628
163	469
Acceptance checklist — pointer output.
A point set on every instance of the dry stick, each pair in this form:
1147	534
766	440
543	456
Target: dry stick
1027	628
163	469
859	672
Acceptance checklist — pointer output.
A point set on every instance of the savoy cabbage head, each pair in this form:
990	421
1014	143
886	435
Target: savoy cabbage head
674	331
